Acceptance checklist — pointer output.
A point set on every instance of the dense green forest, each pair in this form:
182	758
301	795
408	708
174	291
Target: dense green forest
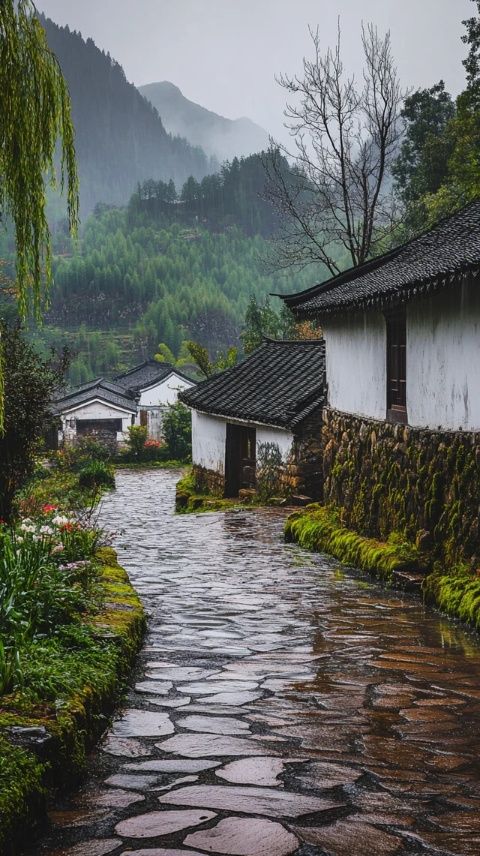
127	289
167	267
120	138
232	197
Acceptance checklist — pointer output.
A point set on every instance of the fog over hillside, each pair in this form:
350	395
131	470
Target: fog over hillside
120	138
219	137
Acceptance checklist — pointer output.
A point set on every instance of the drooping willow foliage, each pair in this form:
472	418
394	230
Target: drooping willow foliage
34	115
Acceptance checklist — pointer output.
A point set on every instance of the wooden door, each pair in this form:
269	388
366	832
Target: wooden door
397	366
240	459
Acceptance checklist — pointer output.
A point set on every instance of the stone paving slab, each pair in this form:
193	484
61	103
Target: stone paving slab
269	801
159	823
237	836
143	723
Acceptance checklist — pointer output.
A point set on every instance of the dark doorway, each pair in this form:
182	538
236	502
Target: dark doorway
240	459
103	426
397	366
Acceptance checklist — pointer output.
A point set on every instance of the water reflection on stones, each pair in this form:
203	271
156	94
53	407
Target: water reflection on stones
342	717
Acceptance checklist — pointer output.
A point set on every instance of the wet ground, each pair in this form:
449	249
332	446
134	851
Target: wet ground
282	704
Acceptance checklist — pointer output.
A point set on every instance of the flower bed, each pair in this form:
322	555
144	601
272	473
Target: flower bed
70	626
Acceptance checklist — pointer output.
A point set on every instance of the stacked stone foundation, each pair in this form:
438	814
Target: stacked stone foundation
393	478
209	481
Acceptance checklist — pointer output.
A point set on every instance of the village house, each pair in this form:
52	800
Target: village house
401	428
106	408
274	398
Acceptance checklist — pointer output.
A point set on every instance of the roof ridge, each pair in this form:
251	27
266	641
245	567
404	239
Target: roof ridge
371	264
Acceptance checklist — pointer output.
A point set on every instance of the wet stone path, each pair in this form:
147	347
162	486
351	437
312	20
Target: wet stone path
281	706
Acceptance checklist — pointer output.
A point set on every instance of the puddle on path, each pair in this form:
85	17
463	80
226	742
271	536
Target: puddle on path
282	707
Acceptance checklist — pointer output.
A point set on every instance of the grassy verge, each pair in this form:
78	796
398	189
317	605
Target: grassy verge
319	528
455	591
70	684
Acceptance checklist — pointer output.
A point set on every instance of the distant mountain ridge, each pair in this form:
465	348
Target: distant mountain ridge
120	138
219	137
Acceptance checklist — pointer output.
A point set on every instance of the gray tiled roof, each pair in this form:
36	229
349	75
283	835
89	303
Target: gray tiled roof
146	374
279	384
105	390
431	261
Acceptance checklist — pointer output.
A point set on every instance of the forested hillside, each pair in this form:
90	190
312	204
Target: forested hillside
130	287
167	267
222	138
232	197
110	116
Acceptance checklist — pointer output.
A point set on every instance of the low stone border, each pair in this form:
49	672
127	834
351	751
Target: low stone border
46	748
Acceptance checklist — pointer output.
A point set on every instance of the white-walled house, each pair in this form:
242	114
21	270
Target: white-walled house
156	386
275	396
99	407
402	332
401	432
140	396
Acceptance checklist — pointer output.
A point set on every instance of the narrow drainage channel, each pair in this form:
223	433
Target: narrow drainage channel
282	705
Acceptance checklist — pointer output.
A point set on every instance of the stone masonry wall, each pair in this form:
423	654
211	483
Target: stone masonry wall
303	470
208	481
394	478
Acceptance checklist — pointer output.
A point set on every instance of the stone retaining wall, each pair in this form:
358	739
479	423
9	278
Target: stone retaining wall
208	481
304	471
394	478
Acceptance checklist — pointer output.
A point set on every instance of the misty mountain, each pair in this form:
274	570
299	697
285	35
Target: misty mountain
221	138
120	138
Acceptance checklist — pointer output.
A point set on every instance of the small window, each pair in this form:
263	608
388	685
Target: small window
397	366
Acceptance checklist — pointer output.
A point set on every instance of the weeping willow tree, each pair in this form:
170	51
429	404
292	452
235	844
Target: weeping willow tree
35	116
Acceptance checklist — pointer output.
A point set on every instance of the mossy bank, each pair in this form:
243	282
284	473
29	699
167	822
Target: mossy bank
190	497
395	561
44	742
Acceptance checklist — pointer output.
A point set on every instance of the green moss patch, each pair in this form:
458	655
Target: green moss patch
320	528
189	499
456	593
71	682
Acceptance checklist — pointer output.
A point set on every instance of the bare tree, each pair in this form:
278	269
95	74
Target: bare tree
335	196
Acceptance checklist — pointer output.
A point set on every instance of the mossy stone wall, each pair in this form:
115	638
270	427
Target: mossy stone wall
391	477
208	481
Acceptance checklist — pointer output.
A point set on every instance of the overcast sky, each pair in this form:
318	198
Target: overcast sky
224	54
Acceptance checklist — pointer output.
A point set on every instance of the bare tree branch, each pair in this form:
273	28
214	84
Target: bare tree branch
334	196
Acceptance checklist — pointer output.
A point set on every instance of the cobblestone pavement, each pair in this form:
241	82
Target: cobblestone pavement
282	705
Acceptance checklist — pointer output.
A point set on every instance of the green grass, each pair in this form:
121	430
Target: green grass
70	681
319	528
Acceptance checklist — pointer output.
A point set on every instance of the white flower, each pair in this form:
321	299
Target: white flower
19	539
58	548
46	530
27	527
60	520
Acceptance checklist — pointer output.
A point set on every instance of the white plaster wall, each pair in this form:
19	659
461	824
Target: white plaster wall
208	441
99	410
93	410
356	363
282	438
443	359
165	392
